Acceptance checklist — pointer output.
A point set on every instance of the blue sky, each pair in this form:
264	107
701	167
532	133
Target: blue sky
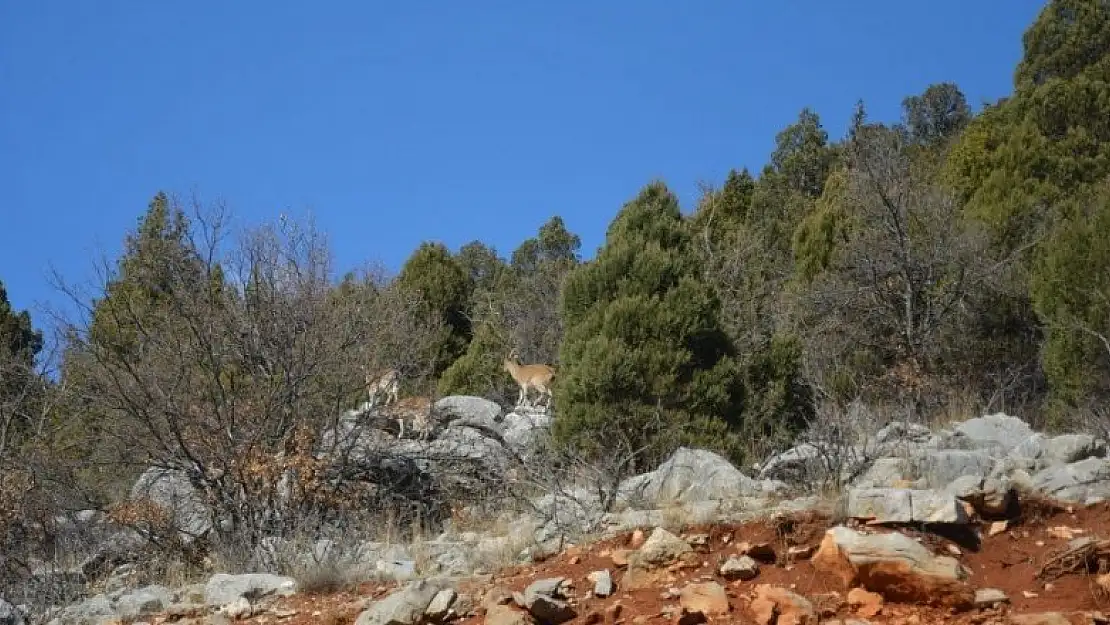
395	123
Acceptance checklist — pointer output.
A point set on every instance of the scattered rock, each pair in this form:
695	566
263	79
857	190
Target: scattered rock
708	598
660	549
790	608
544	600
742	567
990	597
895	566
602	581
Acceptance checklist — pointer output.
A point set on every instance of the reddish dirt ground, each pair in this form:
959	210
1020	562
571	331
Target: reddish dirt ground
1007	561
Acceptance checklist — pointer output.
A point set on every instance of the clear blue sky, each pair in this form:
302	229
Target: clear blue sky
452	121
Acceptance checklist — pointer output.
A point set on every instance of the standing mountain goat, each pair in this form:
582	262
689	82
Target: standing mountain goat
528	377
388	382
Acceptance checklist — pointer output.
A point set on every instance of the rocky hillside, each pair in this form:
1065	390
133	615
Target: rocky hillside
983	521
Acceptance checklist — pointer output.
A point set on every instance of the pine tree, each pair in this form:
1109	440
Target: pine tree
434	276
644	358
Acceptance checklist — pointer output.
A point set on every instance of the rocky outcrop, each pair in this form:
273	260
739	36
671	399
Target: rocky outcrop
696	475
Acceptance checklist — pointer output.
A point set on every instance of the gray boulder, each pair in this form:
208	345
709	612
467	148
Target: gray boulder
1086	481
468	409
172	490
402	607
223	589
10	614
147	600
696	475
995	431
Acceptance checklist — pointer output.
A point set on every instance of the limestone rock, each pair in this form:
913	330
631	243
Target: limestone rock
223	588
903	505
660	549
894	566
742	568
405	606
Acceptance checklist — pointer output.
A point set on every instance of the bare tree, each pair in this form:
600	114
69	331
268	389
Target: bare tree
247	356
910	276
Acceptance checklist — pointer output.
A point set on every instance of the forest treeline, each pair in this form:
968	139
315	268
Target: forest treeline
954	261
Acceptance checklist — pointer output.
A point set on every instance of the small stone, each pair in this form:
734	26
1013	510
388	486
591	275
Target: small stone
1029	595
989	597
620	557
743	568
998	527
953	549
602	581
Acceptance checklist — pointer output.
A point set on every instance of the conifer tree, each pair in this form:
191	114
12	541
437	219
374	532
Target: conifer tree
644	358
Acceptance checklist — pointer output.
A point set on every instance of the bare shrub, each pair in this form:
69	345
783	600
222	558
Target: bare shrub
231	374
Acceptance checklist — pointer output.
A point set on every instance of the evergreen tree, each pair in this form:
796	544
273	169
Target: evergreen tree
20	387
435	276
644	357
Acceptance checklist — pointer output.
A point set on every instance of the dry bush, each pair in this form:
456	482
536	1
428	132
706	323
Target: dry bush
246	357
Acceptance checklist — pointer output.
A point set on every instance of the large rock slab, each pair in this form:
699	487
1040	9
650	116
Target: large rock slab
1086	481
997	431
467	409
173	491
904	505
695	475
1045	451
895	566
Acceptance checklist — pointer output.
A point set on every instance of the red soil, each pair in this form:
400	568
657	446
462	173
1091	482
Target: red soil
1007	561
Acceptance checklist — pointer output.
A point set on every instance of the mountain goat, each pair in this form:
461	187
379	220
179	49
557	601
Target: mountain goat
529	377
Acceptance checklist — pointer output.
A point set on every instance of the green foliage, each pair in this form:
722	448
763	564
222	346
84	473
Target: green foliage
440	282
644	358
1067	37
1071	292
1018	162
937	115
19	341
479	372
518	309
